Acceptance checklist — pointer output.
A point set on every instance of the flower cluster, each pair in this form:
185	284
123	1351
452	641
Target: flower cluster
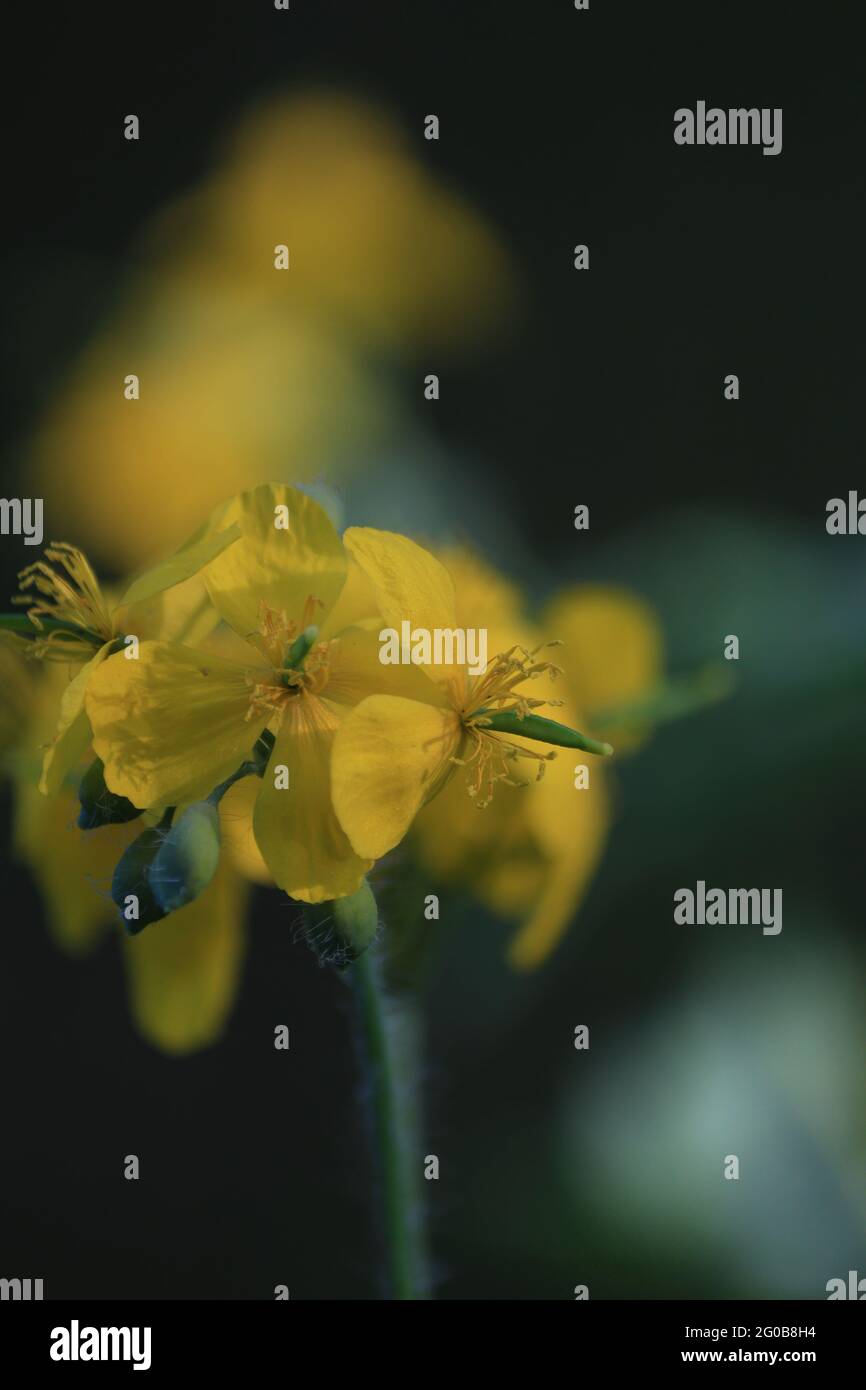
245	673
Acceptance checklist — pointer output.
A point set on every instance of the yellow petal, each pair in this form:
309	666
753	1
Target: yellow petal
236	829
529	856
295	826
613	649
564	886
390	754
492	851
183	972
18	692
484	597
357	603
182	565
73	729
183	613
513	884
570	826
362	217
282	567
355	672
72	867
170	725
410	585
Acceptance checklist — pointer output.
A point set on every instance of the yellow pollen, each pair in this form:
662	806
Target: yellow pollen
69	593
490	757
271	693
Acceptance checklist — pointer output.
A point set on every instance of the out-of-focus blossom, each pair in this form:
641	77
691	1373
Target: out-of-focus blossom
247	372
377	246
612	650
182	975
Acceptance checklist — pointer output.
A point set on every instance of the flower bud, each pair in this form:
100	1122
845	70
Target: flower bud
341	930
188	858
99	806
130	886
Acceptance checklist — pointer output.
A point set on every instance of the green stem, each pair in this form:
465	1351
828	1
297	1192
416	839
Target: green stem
253	767
389	1038
545	730
216	796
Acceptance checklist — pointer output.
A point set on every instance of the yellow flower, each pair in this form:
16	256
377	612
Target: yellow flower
70	620
531	854
393	753
233	393
340	182
239	364
177	722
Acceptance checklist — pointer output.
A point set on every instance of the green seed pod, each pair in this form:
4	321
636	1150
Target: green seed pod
130	886
545	730
99	806
188	858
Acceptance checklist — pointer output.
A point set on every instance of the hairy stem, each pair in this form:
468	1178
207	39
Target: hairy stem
389	1039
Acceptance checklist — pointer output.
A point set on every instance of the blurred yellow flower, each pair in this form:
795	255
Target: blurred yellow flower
71	869
246	372
612	650
376	245
182	974
232	395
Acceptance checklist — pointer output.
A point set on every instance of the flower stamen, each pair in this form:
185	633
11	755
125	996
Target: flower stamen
67	595
300	665
490	758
